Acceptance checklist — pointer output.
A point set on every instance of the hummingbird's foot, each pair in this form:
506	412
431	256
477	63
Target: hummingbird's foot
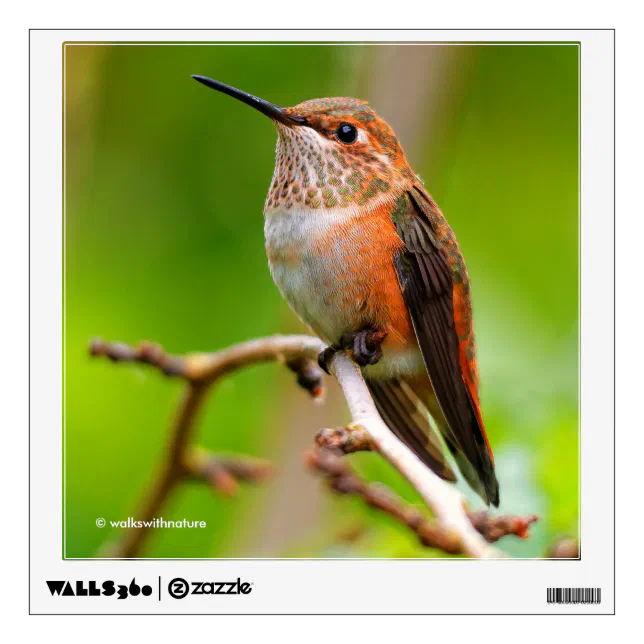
364	346
324	358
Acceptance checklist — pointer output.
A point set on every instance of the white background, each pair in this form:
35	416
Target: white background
13	265
391	586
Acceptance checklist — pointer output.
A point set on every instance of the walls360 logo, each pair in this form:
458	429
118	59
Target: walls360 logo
180	588
94	589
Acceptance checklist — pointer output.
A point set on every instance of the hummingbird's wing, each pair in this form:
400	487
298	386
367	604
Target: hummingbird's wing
435	288
406	416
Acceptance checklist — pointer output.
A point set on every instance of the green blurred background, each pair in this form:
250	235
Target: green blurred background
165	184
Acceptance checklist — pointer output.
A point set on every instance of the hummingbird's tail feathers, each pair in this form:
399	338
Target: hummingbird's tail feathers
406	416
477	471
470	474
485	461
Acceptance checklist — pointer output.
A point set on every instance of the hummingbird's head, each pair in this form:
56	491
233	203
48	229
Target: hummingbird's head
331	152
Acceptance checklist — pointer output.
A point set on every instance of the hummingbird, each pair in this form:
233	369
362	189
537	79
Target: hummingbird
365	257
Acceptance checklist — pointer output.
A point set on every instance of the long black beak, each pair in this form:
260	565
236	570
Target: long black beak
272	111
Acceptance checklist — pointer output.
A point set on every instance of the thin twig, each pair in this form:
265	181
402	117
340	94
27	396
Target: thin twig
224	473
331	444
494	527
431	533
172	473
343	479
202	371
297	352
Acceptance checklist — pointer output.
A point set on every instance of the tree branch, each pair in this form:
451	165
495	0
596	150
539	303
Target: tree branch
298	352
453	529
431	533
332	444
202	371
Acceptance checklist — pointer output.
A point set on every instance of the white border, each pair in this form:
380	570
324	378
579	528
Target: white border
237	44
301	586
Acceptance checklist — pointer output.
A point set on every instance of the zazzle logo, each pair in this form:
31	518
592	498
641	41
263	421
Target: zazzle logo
180	588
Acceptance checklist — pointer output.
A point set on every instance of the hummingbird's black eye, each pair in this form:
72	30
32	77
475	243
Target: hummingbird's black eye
347	133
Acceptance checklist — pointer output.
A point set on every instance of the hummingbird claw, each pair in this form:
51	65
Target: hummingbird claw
324	358
365	345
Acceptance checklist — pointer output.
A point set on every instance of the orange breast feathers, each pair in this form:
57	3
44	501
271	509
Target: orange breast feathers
366	275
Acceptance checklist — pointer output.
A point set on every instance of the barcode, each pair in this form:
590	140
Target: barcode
574	595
